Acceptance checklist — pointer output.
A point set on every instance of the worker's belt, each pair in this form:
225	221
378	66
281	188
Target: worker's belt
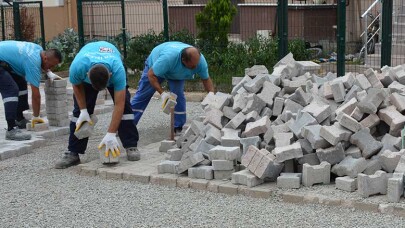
6	67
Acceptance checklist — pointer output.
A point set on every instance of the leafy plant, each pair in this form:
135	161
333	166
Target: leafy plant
214	23
68	44
27	26
184	36
140	47
298	49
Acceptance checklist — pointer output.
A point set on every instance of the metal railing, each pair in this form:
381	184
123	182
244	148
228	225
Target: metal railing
369	36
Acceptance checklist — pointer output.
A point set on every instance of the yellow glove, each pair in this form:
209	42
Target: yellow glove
36	119
111	144
83	117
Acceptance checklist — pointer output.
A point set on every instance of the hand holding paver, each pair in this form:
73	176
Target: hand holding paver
111	144
84	116
35	120
52	76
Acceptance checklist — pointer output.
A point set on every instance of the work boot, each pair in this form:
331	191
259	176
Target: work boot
177	131
133	154
17	134
68	159
22	124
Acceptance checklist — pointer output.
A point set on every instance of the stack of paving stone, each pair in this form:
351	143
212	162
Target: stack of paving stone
56	103
294	127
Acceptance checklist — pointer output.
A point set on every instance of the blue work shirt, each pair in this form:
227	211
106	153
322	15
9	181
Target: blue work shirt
165	60
24	58
100	52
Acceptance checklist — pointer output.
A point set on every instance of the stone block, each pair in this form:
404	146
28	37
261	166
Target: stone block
108	158
201	172
255	70
311	159
224	153
250	141
393	118
346	183
362	82
223	174
245	177
373	165
349	122
228	112
371	76
38	127
258	127
189	160
240	85
254	103
235	122
252	116
311	133
175	154
395	188
368	185
212	135
305	146
283	139
389	160
278	106
332	155
230	137
316	174
301	97
56	83
303	119
347	107
222	165
203	147
357	114
268	93
216	101
289	180
168	167
214	117
268	136
353	152
266	111
398	100
288	152
338	91
370	121
367	144
399	73
335	133
352	93
372	101
166	145
319	110
401	165
291	106
350	167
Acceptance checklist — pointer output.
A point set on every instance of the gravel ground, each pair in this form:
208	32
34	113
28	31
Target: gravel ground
33	194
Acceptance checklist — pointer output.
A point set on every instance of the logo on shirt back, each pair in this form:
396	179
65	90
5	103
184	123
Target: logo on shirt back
106	50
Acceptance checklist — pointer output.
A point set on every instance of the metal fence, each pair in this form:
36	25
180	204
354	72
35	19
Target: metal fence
341	35
23	21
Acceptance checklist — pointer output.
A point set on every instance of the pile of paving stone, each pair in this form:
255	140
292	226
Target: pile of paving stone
294	127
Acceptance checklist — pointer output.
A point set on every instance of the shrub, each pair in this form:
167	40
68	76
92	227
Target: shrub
214	23
68	44
140	47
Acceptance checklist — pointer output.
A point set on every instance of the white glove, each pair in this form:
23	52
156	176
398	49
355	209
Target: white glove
111	144
165	98
84	116
52	76
35	120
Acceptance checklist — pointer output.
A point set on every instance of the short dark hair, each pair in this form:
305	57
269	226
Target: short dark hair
99	76
53	52
186	55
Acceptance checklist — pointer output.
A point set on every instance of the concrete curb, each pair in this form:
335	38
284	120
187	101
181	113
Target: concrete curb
11	149
147	173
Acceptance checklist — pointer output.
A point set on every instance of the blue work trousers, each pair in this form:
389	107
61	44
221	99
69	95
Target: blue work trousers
127	131
13	89
145	92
